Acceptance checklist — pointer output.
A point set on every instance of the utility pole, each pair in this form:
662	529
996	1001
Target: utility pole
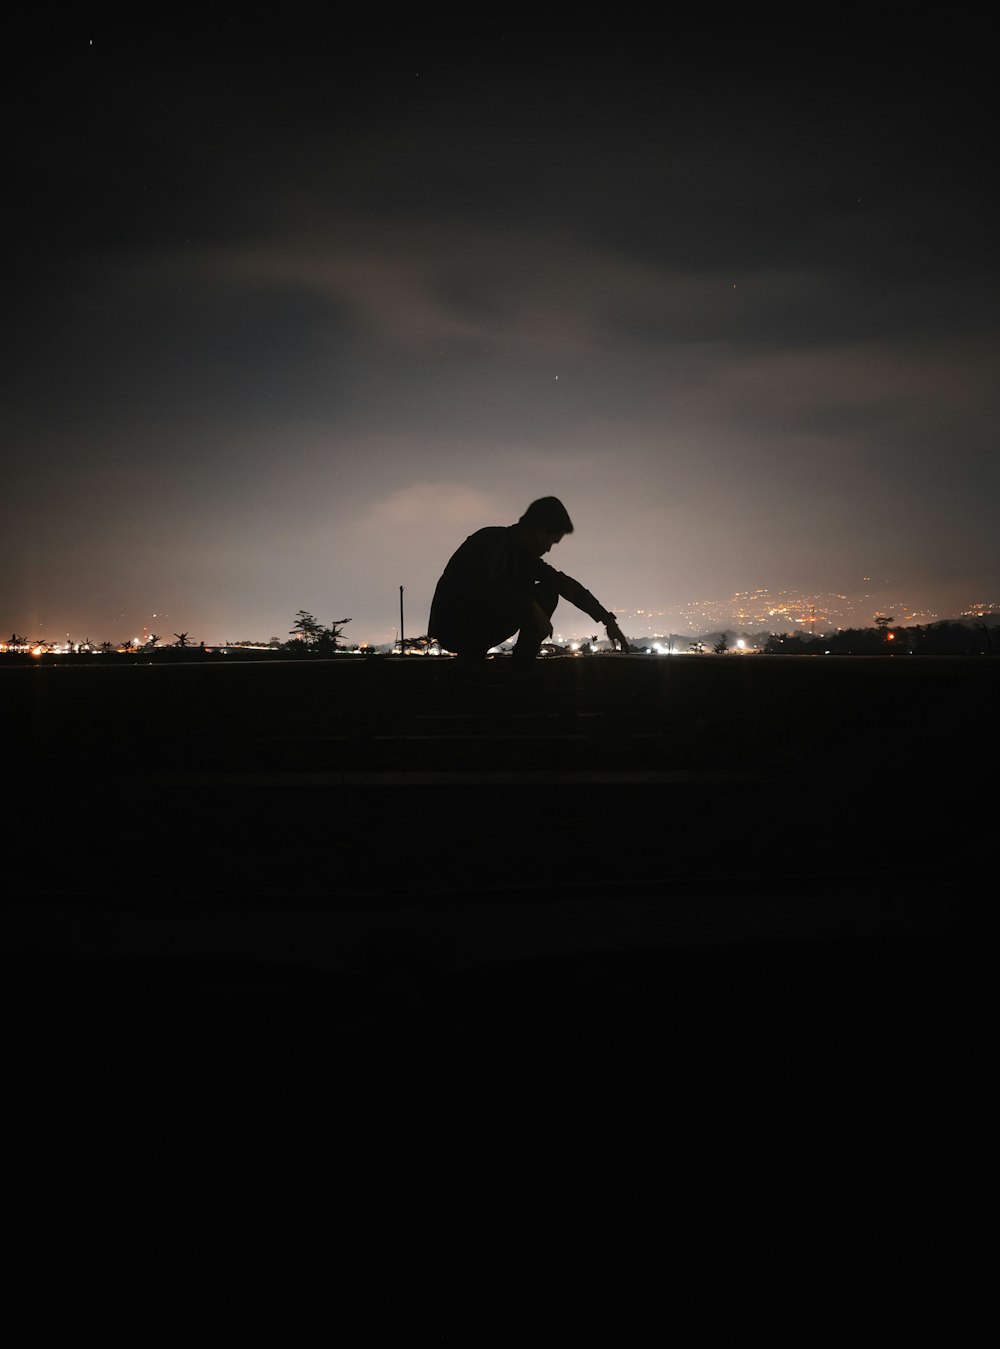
401	620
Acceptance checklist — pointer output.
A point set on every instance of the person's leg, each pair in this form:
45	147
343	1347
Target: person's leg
471	642
532	634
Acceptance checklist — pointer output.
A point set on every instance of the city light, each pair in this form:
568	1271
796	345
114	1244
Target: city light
743	624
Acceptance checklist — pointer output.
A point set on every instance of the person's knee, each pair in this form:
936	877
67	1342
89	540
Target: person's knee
546	597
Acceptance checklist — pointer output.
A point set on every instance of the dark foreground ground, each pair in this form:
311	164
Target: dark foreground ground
309	1036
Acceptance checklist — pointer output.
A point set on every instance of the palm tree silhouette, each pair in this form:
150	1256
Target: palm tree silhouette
182	638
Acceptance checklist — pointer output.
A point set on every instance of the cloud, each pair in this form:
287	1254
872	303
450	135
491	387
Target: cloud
415	288
431	505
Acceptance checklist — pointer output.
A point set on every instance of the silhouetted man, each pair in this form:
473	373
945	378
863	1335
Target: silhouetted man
496	584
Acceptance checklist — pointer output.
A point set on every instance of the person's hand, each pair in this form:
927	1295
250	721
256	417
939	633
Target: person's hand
615	633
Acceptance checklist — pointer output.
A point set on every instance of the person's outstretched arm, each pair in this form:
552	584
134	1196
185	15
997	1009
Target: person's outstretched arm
581	597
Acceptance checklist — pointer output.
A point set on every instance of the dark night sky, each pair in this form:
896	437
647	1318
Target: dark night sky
290	314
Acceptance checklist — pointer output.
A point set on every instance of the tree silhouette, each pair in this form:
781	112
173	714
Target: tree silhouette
182	639
305	628
128	645
330	638
107	648
152	639
307	631
722	645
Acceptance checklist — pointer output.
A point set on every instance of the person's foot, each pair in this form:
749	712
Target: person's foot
524	655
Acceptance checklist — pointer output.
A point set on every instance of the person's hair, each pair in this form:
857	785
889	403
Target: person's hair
547	513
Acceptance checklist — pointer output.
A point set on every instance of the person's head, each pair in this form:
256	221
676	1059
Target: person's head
544	523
